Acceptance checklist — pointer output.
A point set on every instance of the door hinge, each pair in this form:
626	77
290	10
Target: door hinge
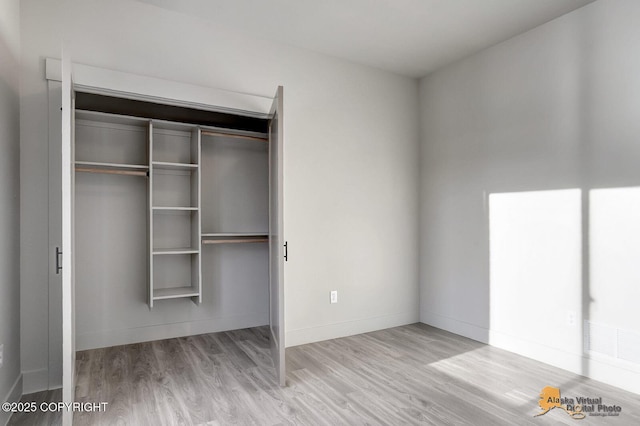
58	260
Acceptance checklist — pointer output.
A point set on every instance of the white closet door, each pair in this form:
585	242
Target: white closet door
66	260
276	240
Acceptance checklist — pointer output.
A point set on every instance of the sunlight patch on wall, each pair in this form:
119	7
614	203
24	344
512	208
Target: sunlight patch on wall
535	267
614	236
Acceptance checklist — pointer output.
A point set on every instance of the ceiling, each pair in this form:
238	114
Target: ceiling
408	37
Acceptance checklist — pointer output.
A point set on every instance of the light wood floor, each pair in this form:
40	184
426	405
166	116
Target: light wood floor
414	374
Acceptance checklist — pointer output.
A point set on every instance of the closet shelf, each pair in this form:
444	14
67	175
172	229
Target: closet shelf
112	165
174	166
231	238
170	251
235	234
174	293
237	241
111	168
234	135
174	208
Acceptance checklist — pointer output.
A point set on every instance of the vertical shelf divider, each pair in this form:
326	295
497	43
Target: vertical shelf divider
196	222
150	212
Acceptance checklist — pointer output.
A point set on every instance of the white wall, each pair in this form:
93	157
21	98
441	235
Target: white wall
507	257
10	386
351	163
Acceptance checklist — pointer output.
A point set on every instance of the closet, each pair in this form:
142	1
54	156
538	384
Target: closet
155	199
171	221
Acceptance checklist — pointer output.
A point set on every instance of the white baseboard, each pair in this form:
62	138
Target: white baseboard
14	395
35	381
107	338
624	376
606	372
348	328
471	331
611	371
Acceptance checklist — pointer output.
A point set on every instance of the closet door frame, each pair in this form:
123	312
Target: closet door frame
65	263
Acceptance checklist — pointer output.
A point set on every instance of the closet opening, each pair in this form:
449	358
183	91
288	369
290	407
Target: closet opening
171	223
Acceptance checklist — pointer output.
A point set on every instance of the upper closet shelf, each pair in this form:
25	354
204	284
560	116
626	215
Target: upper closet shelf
111	119
234	135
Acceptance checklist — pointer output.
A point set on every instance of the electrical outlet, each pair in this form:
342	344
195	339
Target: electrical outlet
571	318
334	296
1	354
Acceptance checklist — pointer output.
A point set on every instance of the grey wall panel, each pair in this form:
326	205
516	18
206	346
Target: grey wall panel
109	143
235	185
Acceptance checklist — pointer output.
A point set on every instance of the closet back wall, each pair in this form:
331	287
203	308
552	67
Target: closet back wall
112	238
111	230
350	159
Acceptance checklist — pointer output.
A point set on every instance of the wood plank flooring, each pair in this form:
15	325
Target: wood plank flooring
413	374
39	418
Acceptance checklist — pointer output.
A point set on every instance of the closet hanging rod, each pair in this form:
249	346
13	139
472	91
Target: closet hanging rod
233	135
111	172
236	241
